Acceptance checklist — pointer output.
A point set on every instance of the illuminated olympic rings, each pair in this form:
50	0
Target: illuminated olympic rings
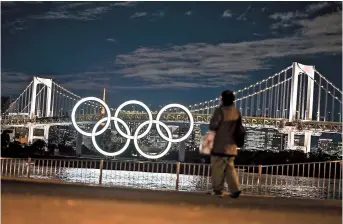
128	135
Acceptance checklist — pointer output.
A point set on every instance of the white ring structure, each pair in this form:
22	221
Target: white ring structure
107	111
137	103
191	120
135	140
127	135
108	153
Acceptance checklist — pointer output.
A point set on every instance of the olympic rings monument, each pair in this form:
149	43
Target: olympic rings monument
128	135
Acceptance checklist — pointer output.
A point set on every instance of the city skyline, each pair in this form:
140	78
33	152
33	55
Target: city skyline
257	139
163	52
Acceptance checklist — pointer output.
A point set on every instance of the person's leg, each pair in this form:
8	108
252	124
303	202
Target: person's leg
232	177
218	176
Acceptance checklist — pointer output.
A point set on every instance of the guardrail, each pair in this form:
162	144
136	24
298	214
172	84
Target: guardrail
318	180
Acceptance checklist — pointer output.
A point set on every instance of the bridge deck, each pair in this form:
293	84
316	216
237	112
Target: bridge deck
267	122
29	202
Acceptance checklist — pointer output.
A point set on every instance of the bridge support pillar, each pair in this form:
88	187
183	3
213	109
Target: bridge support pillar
12	135
294	96
30	135
48	84
309	97
290	141
307	142
46	133
182	149
79	141
307	70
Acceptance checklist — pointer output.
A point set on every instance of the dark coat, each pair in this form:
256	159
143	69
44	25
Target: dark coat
224	122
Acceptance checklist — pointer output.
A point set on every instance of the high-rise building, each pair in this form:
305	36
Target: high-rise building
326	145
197	135
277	141
339	149
264	139
255	139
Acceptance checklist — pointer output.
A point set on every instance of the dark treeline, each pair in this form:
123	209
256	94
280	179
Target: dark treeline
42	150
39	149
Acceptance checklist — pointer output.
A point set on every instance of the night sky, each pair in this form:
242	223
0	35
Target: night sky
163	52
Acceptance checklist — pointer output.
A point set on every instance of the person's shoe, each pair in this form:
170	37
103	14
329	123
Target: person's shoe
235	194
222	195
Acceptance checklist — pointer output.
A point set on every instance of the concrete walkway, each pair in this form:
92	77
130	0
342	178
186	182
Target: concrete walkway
30	202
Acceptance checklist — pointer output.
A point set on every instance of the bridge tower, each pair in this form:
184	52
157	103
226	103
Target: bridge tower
48	84
48	110
306	70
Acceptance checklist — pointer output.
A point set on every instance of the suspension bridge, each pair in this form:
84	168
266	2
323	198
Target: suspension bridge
298	100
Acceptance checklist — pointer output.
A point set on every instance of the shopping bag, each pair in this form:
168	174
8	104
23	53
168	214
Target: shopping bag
206	143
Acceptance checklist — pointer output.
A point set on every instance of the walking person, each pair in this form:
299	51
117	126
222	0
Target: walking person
226	124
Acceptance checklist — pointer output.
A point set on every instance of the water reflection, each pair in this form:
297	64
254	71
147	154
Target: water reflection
275	185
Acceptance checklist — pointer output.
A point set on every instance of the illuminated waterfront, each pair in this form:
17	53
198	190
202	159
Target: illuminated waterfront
192	178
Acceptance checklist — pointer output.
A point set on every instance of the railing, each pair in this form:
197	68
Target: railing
319	180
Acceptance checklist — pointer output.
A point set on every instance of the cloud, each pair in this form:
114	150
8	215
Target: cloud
138	14
229	63
73	5
158	14
188	13
125	4
86	85
15	77
257	34
12	3
286	16
79	10
16	25
264	9
227	13
83	11
111	40
199	65
286	19
75	11
318	28
13	83
312	8
291	19
90	85
243	15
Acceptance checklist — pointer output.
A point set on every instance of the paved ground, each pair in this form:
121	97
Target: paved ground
30	202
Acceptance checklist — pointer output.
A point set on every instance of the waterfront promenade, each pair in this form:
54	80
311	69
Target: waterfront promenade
25	201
